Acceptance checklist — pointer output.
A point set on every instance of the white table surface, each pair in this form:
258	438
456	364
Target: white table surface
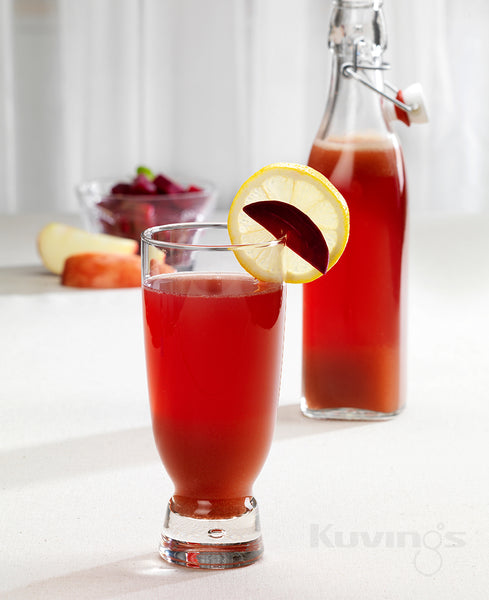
395	510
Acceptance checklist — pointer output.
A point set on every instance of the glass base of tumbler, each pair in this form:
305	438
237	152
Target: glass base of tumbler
347	414
202	543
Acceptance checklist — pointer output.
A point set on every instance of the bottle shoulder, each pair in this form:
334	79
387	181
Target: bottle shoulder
364	153
360	142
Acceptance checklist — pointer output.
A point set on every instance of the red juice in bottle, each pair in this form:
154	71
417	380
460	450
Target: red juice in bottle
224	329
352	321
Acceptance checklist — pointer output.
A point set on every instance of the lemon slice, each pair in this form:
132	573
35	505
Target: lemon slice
309	191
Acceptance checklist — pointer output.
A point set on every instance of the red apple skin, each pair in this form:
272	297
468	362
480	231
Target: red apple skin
102	271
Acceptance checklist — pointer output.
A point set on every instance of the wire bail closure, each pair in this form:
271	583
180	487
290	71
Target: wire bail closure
351	70
348	70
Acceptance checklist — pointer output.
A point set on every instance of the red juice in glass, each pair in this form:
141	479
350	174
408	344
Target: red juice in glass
213	351
214	338
352	319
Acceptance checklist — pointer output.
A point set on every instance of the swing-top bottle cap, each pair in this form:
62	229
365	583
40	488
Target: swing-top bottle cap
412	96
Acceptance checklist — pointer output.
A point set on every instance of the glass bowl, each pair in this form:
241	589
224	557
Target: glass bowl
127	215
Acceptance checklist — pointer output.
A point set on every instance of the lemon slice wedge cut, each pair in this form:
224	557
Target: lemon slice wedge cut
310	192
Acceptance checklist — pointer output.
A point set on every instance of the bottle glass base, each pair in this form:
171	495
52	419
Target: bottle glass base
347	414
212	543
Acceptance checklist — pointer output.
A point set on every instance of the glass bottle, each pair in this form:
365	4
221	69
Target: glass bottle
353	338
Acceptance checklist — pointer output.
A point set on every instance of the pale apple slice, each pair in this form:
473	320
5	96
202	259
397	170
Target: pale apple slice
56	242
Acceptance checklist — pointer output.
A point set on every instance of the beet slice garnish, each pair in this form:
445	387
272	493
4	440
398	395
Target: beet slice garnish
300	233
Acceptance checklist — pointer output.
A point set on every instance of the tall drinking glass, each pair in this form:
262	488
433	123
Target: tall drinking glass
213	337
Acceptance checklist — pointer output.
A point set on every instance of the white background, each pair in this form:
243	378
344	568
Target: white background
219	88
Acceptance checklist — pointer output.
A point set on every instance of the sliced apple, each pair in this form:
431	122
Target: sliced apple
56	242
101	270
157	262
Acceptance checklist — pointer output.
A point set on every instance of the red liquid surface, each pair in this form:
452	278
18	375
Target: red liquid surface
214	351
352	354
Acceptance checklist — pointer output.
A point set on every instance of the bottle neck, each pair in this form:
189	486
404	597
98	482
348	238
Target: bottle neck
356	39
